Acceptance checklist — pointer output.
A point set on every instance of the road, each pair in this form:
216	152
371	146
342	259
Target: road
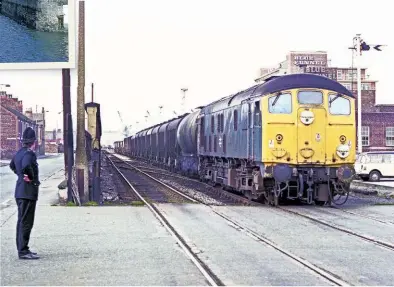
47	166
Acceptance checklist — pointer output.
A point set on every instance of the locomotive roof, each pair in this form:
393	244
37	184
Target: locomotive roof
295	81
276	84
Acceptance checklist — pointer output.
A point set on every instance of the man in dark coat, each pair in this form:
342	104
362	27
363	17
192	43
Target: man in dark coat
24	165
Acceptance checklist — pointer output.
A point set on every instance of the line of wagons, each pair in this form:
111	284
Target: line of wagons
172	144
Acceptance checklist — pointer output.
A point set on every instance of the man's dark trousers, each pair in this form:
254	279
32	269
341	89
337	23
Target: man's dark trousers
24	164
26	211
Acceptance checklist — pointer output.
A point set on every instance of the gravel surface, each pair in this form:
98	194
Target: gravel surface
155	191
193	188
190	191
198	190
357	199
113	189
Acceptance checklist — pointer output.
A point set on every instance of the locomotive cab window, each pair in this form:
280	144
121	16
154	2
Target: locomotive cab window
310	97
280	104
338	105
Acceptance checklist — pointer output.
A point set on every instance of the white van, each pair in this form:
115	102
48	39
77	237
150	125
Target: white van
375	165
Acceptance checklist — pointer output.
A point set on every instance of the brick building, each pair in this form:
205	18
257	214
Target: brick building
377	120
39	119
54	141
12	124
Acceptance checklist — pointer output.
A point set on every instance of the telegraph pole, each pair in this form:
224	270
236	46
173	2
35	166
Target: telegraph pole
66	111
358	64
80	155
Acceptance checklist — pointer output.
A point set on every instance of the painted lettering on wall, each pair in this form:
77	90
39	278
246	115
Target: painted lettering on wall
313	64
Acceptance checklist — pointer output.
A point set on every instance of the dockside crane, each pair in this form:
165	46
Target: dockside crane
125	128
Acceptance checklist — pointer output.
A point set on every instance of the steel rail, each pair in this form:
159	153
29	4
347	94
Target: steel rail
332	278
206	272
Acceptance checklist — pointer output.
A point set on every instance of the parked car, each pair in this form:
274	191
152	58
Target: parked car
373	166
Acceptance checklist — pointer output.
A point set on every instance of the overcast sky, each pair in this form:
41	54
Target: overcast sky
141	53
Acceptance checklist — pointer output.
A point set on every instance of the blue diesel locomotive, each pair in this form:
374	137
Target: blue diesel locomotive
291	137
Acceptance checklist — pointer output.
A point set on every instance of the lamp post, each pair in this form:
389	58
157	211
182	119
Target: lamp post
184	90
43	130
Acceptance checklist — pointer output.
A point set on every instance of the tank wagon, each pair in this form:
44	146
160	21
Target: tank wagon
118	147
290	138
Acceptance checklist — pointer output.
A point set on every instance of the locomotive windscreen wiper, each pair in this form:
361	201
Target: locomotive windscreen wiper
333	99
276	99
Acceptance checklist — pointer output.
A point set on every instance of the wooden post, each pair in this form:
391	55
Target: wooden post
66	111
81	160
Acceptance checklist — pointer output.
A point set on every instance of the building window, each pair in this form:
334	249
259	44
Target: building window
347	86
212	124
365	87
339	75
351	75
389	136
365	136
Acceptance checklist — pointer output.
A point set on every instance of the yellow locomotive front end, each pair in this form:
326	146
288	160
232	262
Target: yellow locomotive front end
308	144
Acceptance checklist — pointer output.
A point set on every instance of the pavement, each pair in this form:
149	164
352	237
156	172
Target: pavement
127	245
92	245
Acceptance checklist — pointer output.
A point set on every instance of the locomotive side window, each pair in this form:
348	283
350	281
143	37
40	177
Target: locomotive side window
250	124
218	117
235	120
222	127
310	97
257	114
338	105
202	131
280	104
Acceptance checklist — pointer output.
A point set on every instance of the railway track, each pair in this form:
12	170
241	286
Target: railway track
217	194
213	280
364	216
387	245
149	189
205	271
384	244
